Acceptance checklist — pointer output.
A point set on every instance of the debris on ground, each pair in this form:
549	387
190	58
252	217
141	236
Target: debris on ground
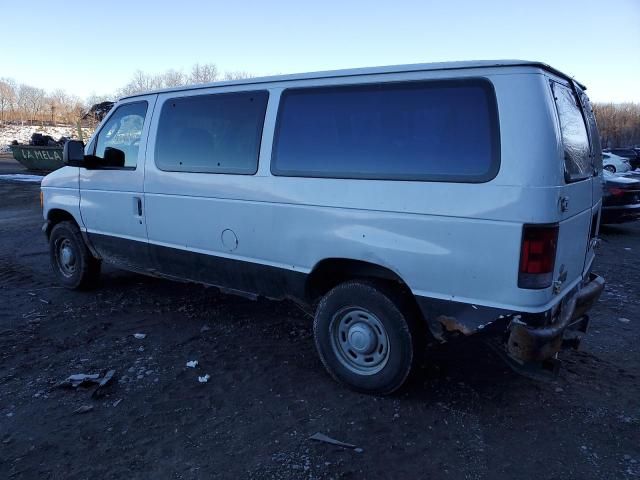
321	437
117	402
204	379
192	363
83	409
79	379
624	320
140	336
84	379
103	382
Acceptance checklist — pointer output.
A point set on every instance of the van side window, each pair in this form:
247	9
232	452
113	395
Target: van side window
577	161
436	130
217	133
118	142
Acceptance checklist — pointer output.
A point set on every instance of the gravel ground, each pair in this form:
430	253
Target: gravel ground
464	415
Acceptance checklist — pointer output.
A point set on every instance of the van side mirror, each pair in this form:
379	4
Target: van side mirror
73	153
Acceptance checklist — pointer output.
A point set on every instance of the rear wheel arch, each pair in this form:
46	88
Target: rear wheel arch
330	272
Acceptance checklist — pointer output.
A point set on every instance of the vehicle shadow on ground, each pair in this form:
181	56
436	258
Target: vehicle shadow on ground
615	230
465	361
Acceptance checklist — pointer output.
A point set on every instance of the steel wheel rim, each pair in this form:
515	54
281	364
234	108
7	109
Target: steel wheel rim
66	257
359	340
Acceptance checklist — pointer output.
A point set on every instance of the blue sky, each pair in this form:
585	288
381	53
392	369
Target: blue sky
94	47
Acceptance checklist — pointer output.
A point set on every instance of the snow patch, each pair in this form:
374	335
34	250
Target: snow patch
21	177
22	133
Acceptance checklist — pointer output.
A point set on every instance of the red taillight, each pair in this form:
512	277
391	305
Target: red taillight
537	255
616	191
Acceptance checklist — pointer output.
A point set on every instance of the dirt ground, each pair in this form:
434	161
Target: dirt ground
464	415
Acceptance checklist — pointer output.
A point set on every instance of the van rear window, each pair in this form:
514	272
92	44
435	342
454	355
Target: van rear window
436	131
577	160
217	133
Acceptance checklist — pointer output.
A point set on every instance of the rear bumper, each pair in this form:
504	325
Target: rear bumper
527	343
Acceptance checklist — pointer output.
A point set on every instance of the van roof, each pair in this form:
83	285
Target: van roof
369	71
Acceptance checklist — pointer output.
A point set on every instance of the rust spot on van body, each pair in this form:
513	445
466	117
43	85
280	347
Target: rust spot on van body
452	325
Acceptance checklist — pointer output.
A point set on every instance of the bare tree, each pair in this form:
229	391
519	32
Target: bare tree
141	82
35	101
236	75
27	103
22	101
618	123
57	102
7	97
172	78
204	73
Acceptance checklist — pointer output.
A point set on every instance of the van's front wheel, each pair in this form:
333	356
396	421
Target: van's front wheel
363	337
72	262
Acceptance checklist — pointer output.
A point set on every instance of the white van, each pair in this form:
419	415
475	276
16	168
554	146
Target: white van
400	204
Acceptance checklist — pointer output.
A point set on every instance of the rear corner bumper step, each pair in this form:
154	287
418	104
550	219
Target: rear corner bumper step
537	344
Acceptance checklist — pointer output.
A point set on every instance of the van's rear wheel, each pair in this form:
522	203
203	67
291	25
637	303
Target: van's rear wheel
364	338
72	262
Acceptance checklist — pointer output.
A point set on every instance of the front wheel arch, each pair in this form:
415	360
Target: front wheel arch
72	262
56	216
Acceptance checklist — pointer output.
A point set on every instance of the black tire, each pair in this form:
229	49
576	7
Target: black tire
610	168
382	312
72	262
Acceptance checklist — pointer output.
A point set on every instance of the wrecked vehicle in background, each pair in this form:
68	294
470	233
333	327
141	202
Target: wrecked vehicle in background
621	198
400	204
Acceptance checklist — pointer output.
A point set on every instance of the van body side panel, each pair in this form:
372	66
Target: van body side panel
448	241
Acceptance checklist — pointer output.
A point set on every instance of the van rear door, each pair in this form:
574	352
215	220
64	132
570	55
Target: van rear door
578	202
596	179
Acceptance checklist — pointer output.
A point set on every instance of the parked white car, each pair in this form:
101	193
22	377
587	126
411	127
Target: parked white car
398	204
615	163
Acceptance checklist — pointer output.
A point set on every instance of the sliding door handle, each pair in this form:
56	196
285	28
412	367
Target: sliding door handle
138	205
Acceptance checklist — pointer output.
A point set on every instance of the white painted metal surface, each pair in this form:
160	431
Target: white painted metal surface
456	241
108	198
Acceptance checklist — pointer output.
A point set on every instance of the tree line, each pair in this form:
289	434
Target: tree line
619	123
26	104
